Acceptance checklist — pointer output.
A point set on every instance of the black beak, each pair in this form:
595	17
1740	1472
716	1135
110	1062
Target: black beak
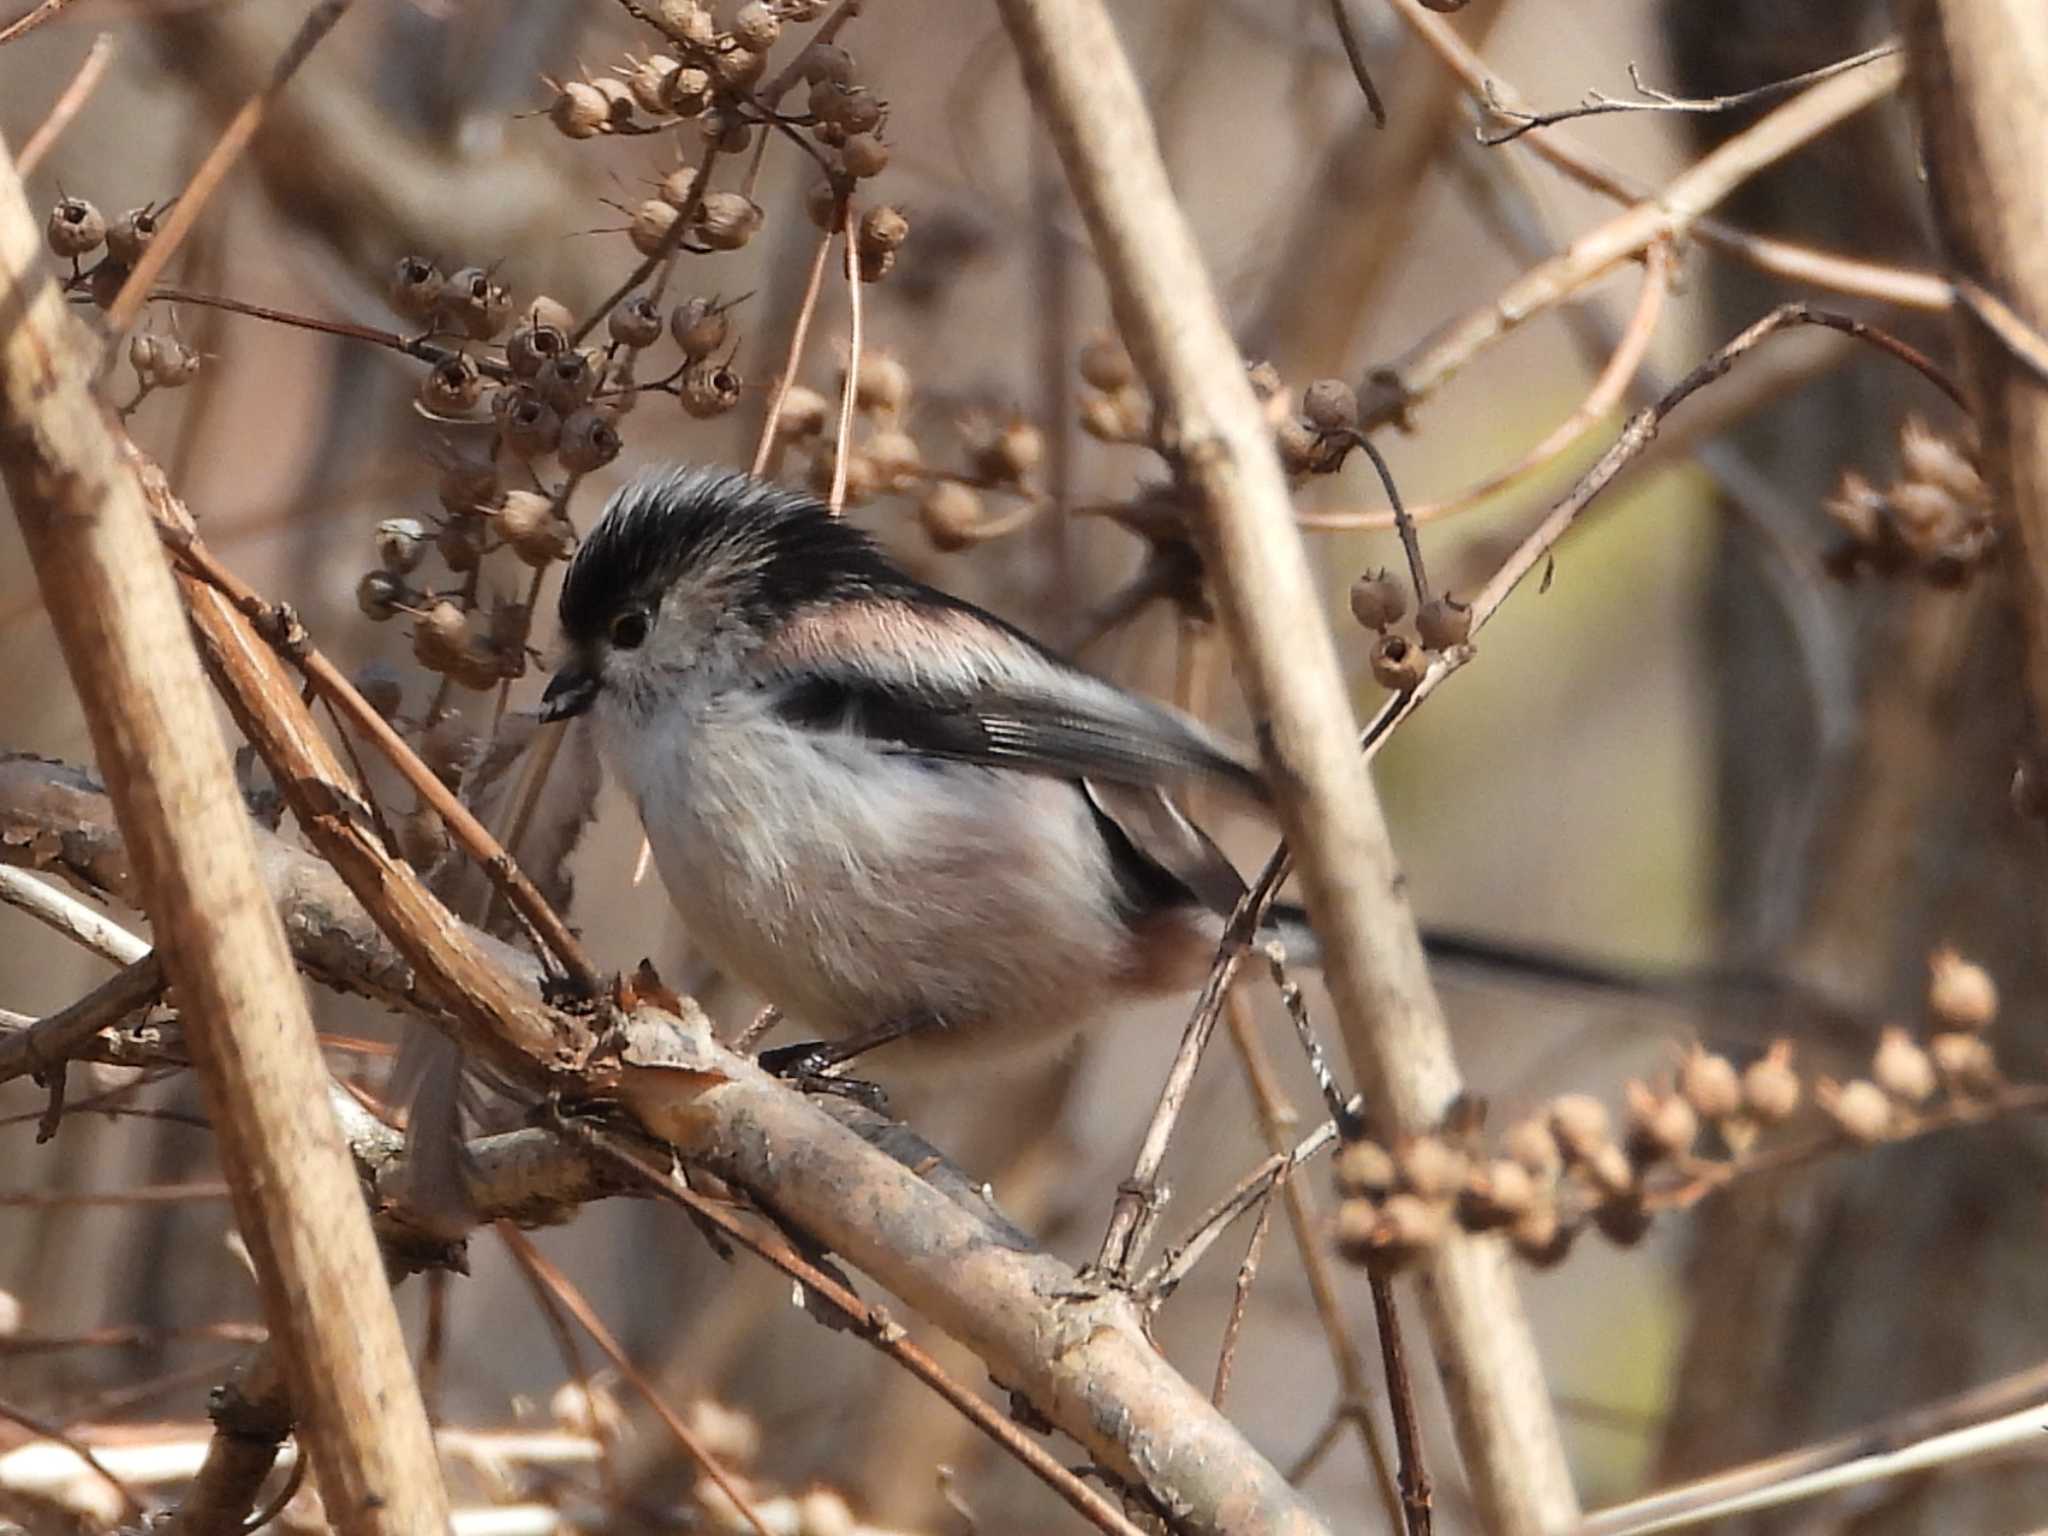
570	692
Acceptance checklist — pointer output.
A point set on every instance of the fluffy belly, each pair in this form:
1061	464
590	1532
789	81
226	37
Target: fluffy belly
855	888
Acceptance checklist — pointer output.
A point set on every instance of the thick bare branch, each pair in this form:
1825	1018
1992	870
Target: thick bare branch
1393	1023
125	639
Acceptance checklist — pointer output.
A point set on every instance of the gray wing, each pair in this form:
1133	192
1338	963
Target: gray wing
956	685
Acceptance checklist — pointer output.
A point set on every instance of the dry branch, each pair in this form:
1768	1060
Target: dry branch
1393	1023
1980	80
125	640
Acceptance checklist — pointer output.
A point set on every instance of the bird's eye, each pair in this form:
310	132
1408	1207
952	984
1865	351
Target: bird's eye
629	629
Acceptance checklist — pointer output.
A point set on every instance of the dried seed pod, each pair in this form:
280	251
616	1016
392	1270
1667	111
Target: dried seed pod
686	21
1357	1222
1660	1125
1105	364
883	229
854	111
648	80
1397	664
1265	380
737	67
381	687
1409	1228
822	1512
650	225
129	236
874	265
1608	1169
897	459
1299	445
709	389
1965	1061
804	413
1859	1108
826	62
1117	418
1533	1144
686	92
569	378
1709	1084
379	595
1017	452
1431	1167
949	513
162	362
543	310
452	387
579	110
415	288
1927	456
1770	1088
1540	1236
727	220
465	488
1622	1220
1378	599
401	544
460	542
756	26
1960	993
1901	1068
1500	1193
1579	1122
535	528
700	328
823	206
883	389
529	427
479	306
531	347
635	322
589	441
423	838
74	228
864	155
1365	1168
1443	623
863	480
440	636
1330	406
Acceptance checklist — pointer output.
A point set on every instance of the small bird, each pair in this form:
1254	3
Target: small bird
884	809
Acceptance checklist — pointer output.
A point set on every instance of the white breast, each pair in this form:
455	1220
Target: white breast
854	885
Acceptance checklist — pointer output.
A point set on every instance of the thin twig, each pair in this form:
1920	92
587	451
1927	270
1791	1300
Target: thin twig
1415	1491
85	1453
198	192
1653	100
841	458
1173	1268
799	333
70	101
536	1264
70	916
1354	54
1226	1354
21	26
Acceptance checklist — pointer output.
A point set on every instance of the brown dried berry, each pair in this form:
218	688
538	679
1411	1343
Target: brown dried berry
686	92
1432	1168
460	542
452	387
1365	1168
727	220
949	512
709	389
529	427
1901	1068
1409	1228
579	110
1660	1125
1965	1061
897	460
589	441
1770	1088
1960	993
1859	1108
130	235
826	62
381	687
1579	1121
725	130
1533	1144
736	67
543	310
1397	663
1330	406
1105	364
635	322
379	595
465	487
1443	623
1357	1223
75	228
531	347
1378	599
162	362
440	636
650	225
537	531
756	25
863	156
401	544
804	413
415	288
1709	1084
823	207
479	306
568	379
699	327
648	80
883	228
1299	445
687	21
678	186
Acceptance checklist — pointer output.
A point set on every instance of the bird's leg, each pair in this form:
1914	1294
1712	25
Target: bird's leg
808	1064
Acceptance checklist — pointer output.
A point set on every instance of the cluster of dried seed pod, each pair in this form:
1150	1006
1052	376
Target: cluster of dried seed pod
1934	521
76	229
1569	1166
1379	601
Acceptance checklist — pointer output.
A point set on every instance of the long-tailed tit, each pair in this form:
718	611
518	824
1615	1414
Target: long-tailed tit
881	807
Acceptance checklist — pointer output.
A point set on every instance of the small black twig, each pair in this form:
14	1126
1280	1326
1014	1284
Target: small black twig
1354	51
1411	541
